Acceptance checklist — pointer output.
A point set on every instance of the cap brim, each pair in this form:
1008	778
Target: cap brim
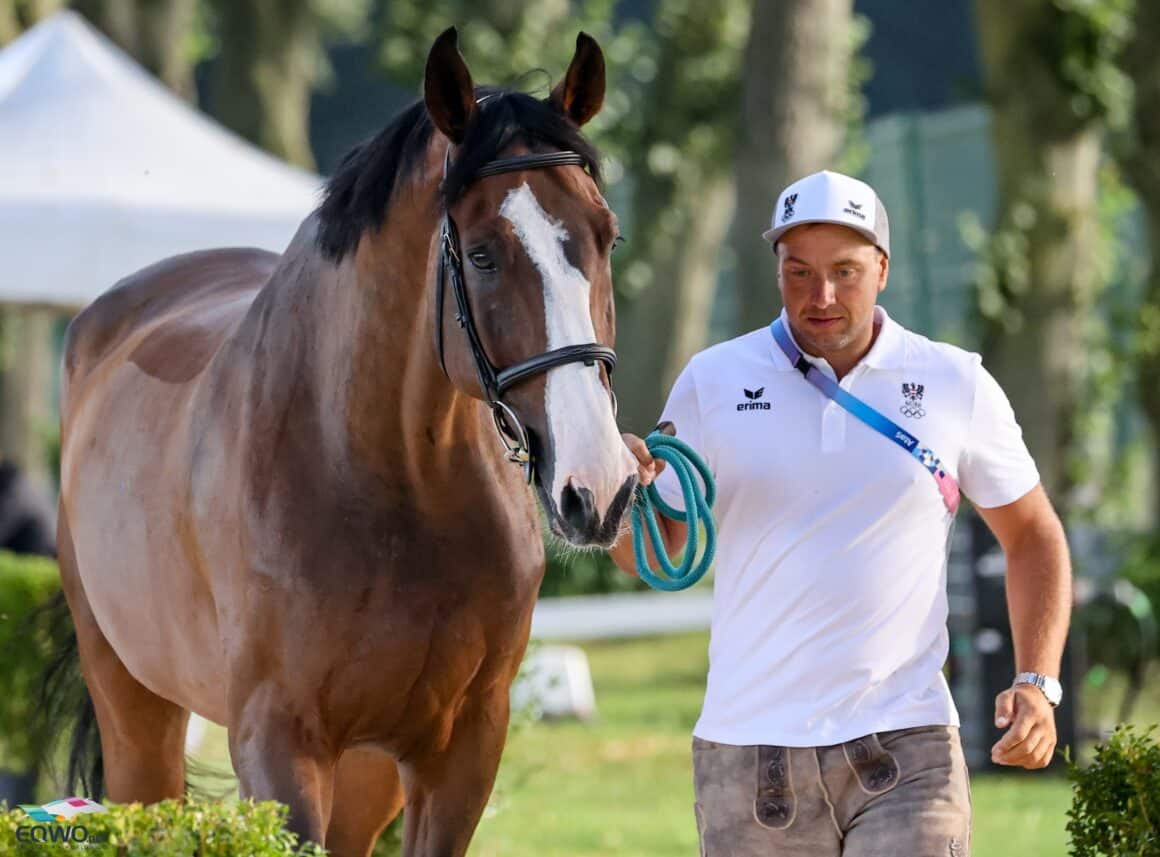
772	235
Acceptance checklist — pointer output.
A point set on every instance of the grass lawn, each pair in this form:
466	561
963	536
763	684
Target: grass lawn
621	785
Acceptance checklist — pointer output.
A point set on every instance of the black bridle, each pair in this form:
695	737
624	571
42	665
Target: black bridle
493	381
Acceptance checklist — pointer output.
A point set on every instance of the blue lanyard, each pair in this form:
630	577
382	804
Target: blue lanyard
881	424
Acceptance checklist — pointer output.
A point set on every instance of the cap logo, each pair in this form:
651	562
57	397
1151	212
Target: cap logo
787	211
854	209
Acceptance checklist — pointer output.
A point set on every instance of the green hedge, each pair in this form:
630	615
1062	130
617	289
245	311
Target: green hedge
172	828
1116	800
26	583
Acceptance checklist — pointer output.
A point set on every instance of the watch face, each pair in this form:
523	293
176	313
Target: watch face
1050	687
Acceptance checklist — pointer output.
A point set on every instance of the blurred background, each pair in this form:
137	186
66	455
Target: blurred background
1015	145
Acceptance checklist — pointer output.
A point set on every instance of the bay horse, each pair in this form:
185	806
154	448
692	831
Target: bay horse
283	502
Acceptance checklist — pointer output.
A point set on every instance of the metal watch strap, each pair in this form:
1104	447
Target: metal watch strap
1048	686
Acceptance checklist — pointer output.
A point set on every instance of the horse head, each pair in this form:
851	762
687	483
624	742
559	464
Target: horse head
531	248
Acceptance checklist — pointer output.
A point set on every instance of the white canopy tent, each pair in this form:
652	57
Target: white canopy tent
104	171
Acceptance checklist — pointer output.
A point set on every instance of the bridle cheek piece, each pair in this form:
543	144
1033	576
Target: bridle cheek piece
493	381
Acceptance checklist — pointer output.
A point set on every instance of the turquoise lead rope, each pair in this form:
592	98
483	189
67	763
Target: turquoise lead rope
698	495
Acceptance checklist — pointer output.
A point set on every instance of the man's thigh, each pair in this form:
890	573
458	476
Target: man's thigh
928	812
760	801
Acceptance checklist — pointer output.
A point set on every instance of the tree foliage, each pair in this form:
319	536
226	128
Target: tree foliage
666	129
528	45
1057	68
270	57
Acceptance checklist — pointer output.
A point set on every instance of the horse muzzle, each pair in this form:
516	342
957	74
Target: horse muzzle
578	519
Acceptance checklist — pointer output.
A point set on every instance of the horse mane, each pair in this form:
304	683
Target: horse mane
358	195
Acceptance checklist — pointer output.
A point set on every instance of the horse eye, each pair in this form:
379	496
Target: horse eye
481	260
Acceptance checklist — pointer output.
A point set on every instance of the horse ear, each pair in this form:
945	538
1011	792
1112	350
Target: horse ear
447	87
580	95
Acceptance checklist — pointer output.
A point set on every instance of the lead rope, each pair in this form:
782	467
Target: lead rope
698	502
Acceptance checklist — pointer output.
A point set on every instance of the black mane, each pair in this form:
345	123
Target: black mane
358	194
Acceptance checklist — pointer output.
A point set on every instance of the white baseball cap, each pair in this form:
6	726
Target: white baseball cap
828	197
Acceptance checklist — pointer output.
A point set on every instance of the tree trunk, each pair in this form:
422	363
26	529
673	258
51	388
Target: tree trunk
1141	63
1148	347
269	59
795	81
697	262
27	409
16	16
679	215
154	32
1048	162
663	325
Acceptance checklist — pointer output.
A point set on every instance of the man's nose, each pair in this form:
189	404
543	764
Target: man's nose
824	293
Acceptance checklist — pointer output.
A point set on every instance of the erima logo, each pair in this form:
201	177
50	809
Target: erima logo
753	404
854	209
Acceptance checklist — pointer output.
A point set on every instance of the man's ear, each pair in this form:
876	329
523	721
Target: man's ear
447	87
883	270
580	95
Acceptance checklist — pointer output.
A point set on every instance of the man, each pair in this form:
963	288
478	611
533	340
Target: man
827	726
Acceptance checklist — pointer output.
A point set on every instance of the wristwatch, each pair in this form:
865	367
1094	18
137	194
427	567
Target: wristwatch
1050	687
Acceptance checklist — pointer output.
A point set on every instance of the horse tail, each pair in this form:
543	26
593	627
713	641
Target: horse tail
65	706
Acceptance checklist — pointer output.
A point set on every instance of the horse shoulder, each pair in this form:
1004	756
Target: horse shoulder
168	310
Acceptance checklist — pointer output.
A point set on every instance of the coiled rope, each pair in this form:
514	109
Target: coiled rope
698	494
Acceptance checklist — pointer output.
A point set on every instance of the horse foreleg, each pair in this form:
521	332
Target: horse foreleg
142	734
367	796
447	788
281	754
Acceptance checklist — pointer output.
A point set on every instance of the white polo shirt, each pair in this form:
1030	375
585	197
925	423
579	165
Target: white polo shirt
830	605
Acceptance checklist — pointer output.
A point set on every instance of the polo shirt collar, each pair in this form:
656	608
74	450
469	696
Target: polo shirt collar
887	352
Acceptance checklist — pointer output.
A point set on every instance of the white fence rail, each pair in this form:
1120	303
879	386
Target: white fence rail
604	617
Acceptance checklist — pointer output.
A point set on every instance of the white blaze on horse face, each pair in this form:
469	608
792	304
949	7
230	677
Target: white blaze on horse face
586	442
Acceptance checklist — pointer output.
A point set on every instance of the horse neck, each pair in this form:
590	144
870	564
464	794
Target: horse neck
393	410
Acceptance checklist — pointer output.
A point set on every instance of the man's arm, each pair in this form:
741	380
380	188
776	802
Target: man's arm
1039	604
673	533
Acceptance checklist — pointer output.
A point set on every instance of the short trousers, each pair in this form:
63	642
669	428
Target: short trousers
888	794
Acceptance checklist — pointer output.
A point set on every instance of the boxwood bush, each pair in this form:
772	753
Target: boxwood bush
1115	808
189	828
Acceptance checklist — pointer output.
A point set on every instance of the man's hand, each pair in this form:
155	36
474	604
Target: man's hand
672	532
647	467
1030	742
